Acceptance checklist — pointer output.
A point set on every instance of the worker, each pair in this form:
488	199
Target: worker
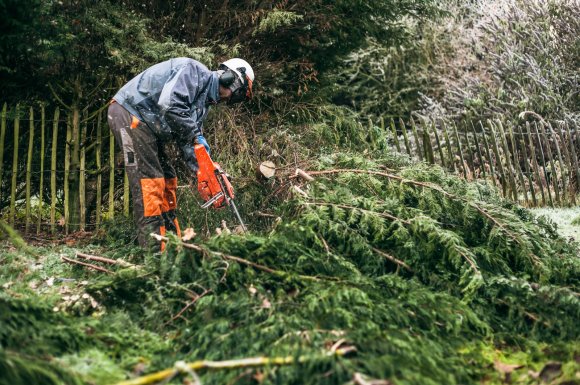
168	102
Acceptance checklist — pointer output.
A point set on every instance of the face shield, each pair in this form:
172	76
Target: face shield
239	91
241	86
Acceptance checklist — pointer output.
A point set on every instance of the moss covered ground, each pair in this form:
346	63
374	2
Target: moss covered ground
422	278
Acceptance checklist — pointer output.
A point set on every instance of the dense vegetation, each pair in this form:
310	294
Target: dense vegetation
431	279
428	277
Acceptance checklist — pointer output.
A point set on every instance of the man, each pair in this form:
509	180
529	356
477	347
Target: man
168	102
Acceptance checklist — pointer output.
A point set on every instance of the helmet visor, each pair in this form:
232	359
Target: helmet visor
241	90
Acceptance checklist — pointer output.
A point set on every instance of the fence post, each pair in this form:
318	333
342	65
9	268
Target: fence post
495	148
479	156
554	177
395	136
420	151
543	158
569	165
448	144
508	161
518	168
82	174
29	169
563	168
488	155
470	156
404	130
535	164
439	147
53	170
14	165
111	176
99	172
576	130
41	182
460	148
574	156
74	218
2	138
428	148
67	172
528	171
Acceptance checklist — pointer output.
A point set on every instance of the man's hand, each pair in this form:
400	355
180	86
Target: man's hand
201	140
189	157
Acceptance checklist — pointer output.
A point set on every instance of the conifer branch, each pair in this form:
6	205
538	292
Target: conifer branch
430	186
469	260
257	266
347	207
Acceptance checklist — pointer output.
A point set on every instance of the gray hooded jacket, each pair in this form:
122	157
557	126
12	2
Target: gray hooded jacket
172	98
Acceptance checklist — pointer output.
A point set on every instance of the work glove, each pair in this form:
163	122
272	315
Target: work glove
201	140
189	157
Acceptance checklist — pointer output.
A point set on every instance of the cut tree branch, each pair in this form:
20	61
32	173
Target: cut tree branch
256	266
90	266
185	368
119	262
439	189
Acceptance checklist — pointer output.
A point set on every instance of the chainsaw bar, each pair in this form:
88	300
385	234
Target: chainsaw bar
229	200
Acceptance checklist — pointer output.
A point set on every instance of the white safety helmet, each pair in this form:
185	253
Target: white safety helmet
237	75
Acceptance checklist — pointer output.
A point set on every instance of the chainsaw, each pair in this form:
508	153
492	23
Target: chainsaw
213	184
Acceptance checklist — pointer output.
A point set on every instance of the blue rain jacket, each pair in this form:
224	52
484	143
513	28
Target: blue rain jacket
172	98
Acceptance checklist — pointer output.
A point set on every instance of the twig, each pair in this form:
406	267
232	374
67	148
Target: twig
303	175
119	262
392	259
263	214
91	266
189	304
234	364
298	190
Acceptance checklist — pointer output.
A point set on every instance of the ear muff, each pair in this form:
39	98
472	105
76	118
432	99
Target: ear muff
227	78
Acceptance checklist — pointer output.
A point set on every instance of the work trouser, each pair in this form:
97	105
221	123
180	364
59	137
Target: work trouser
152	179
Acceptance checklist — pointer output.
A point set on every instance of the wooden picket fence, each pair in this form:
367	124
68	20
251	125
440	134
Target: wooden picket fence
44	158
70	155
533	163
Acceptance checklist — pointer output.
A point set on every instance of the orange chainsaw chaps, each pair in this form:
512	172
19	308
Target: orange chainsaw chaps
208	173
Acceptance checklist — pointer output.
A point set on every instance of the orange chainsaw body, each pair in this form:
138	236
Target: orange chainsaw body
212	182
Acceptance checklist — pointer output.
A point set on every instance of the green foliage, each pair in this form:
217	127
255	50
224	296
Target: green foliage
277	19
381	80
103	42
83	48
6	231
19	21
433	279
506	58
17	369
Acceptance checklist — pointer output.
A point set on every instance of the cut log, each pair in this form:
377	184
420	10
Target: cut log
267	169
